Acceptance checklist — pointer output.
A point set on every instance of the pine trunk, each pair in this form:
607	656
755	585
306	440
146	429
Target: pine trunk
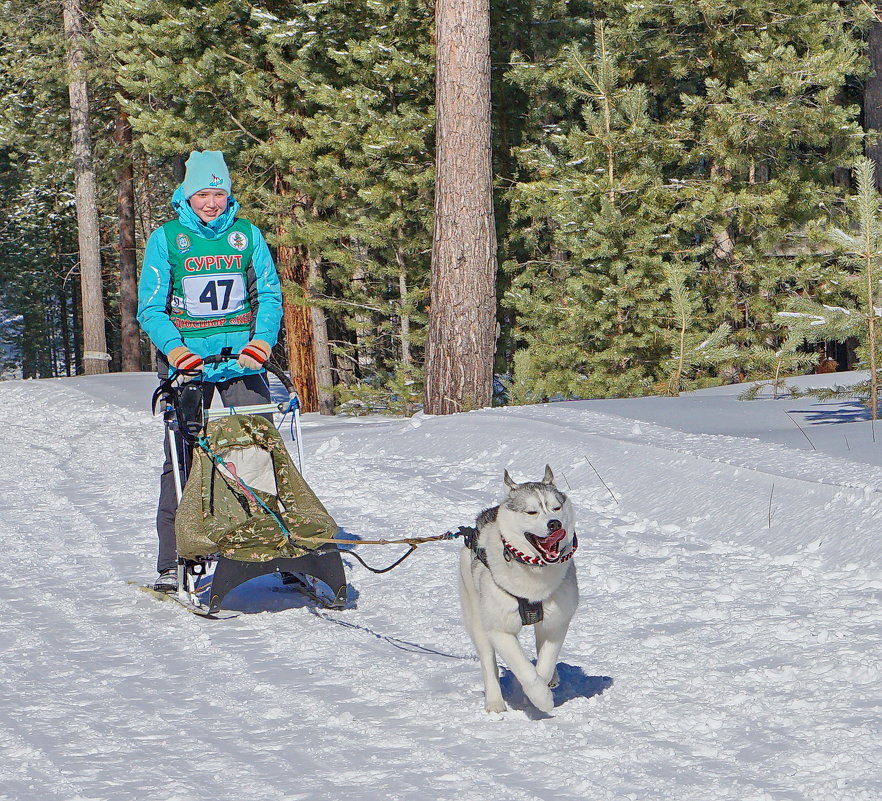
95	357
128	267
293	269
324	374
404	315
65	330
462	316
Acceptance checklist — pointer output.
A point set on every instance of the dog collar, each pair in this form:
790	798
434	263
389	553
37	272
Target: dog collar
510	552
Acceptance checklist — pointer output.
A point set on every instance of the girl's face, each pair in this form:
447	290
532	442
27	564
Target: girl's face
209	204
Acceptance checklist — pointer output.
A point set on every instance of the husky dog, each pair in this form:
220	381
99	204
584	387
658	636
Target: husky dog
515	571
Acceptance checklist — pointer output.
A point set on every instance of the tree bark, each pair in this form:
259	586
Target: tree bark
95	356
324	374
462	316
404	315
130	338
295	266
297	319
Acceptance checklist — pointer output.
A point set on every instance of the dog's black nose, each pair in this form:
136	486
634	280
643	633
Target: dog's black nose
554	525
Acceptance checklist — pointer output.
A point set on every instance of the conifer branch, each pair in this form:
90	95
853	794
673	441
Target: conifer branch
242	128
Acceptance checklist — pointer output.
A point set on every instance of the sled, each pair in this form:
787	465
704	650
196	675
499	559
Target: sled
244	509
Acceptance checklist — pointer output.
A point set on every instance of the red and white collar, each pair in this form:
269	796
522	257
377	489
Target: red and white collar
510	552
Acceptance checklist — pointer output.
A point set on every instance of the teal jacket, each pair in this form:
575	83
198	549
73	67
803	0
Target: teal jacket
154	291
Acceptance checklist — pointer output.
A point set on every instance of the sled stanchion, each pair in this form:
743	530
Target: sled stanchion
295	401
176	464
293	407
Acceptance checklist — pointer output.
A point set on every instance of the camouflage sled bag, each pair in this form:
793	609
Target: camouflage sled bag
216	515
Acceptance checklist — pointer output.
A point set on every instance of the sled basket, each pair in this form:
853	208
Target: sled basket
217	516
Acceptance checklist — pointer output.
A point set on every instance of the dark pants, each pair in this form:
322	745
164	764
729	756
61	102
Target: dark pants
245	391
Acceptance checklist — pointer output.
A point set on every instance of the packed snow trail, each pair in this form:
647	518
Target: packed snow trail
726	647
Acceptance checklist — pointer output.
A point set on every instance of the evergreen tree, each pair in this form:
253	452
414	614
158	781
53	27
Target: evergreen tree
37	220
366	142
629	139
744	106
37	291
95	356
596	219
689	348
814	321
462	330
775	363
35	128
759	88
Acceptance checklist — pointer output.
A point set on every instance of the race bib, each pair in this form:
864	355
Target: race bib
213	295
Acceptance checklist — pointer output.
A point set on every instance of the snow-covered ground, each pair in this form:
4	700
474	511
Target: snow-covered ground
727	646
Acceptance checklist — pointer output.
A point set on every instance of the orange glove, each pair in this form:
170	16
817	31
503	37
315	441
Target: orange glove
182	358
254	354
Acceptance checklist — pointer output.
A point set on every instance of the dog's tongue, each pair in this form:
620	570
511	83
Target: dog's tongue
555	537
548	545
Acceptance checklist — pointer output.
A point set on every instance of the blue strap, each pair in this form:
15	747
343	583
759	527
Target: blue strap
293	403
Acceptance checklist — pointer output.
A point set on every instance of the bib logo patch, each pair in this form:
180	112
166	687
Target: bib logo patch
238	240
183	242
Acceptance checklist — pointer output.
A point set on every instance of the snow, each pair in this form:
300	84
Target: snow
727	645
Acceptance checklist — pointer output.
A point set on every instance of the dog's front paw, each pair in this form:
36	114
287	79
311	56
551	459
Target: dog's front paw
495	707
555	679
540	695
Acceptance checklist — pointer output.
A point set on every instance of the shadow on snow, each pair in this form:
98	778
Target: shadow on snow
831	413
574	683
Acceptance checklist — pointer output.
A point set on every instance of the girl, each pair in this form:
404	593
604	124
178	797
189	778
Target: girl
208	283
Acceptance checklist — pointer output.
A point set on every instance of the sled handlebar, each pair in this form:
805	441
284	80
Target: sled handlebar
220	358
227	355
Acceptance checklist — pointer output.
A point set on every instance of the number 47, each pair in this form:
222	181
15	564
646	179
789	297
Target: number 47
210	294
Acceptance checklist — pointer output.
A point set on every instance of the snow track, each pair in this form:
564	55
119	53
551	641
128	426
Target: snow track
721	650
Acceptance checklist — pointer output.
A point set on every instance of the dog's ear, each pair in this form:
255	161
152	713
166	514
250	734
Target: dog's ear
509	482
549	476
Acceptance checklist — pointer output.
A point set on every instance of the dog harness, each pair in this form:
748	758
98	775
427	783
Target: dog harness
531	612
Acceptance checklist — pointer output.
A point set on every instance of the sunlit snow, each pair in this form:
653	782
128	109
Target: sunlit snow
727	645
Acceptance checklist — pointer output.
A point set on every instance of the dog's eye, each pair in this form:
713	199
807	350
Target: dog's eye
556	509
532	513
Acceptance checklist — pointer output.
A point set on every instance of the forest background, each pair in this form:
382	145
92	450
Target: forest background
669	177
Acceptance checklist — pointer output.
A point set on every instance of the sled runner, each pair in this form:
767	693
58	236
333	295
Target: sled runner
244	509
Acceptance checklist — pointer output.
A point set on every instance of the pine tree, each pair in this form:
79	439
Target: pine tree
37	219
366	140
595	218
814	321
36	292
690	349
35	126
748	128
776	362
760	90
